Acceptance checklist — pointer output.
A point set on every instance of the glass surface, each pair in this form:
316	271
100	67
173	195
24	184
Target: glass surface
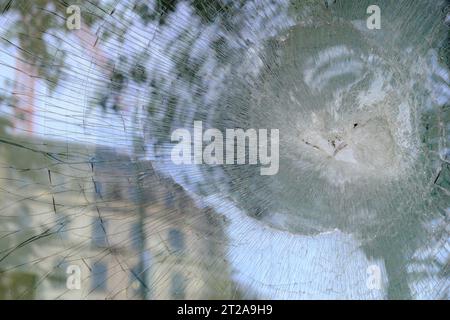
349	201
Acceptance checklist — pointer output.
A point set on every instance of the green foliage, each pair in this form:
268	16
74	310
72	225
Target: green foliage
209	10
17	285
35	21
139	73
162	9
4	124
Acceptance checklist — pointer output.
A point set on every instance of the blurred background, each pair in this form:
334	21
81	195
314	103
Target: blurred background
77	196
90	208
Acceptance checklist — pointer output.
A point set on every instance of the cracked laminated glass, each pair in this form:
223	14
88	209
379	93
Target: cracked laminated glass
341	189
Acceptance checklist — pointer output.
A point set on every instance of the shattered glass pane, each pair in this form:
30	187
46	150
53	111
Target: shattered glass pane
341	189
